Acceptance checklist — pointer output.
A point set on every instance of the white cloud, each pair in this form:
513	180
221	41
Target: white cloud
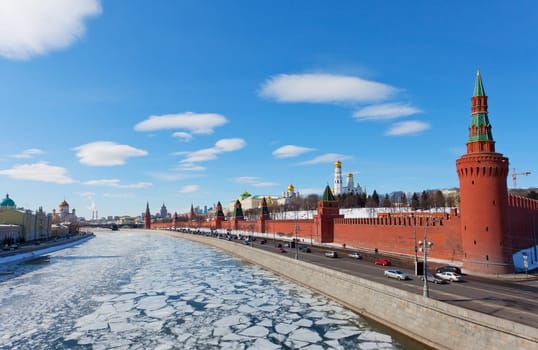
189	189
105	153
38	172
193	122
224	145
326	158
29	153
190	167
253	181
34	27
116	183
407	128
385	111
290	151
323	88
182	136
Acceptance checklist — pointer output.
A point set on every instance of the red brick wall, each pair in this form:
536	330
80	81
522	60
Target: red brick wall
522	216
399	238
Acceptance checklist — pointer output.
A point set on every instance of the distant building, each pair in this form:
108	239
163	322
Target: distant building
31	225
64	215
350	187
164	212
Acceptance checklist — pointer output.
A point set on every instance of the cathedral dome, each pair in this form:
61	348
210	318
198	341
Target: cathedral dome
63	204
7	202
338	164
291	188
349	175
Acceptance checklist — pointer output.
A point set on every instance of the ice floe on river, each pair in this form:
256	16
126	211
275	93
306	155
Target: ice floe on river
139	291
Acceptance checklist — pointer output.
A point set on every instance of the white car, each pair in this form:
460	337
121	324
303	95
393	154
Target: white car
354	255
396	274
449	276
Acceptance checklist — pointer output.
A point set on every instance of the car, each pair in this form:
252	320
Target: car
331	254
396	274
281	250
263	241
305	249
449	276
431	278
246	242
449	268
355	255
382	262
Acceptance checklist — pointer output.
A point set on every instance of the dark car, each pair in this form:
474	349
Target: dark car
449	268
433	279
263	241
304	249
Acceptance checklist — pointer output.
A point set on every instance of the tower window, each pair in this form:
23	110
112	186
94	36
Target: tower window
487	229
474	242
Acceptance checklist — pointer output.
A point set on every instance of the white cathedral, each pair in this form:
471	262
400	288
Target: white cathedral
349	187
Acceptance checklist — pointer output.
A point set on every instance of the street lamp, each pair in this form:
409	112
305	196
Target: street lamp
251	234
425	245
415	243
296	243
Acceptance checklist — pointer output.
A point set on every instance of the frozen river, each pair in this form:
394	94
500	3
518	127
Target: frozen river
129	290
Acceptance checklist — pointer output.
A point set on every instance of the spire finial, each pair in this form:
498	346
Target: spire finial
478	86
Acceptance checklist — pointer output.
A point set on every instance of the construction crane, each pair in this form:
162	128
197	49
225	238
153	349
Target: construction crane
515	174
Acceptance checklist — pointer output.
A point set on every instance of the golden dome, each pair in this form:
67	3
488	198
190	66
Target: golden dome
338	164
291	188
349	175
63	204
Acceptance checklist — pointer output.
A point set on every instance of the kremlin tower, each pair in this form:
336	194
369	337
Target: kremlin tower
482	174
337	187
147	218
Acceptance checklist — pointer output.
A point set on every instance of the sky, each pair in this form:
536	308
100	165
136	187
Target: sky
113	104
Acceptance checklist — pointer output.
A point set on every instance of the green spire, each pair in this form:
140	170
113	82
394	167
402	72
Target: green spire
328	195
478	87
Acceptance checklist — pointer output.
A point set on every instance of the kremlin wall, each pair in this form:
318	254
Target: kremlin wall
482	235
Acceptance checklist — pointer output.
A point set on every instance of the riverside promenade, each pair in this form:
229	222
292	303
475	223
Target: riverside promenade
32	250
432	322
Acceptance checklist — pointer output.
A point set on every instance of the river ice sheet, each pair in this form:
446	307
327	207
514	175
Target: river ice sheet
128	290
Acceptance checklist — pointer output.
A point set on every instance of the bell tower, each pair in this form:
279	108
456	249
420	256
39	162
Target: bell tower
482	174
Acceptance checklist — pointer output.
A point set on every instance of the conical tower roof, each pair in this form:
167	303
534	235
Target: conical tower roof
478	86
328	195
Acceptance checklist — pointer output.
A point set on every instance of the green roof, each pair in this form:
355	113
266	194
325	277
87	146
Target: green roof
328	195
7	202
478	86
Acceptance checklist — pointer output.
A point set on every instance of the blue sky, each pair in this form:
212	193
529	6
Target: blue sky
109	105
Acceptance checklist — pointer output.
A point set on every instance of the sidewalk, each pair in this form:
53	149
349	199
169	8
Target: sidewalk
32	250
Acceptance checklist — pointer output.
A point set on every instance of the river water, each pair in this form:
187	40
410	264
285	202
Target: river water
131	290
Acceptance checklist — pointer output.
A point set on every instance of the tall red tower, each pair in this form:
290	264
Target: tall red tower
483	195
147	218
328	210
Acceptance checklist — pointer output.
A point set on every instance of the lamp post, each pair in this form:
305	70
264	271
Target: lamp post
296	243
425	244
415	243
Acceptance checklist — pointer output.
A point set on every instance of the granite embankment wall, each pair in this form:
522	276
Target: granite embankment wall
434	323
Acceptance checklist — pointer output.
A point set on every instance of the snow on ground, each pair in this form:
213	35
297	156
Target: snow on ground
138	291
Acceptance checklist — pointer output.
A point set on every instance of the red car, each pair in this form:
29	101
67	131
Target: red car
383	262
280	250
